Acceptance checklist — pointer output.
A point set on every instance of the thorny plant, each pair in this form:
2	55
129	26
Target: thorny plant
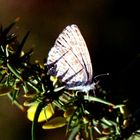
82	115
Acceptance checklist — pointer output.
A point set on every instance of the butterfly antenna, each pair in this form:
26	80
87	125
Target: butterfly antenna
101	75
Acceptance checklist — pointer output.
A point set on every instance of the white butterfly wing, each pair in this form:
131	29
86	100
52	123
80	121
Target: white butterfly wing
69	58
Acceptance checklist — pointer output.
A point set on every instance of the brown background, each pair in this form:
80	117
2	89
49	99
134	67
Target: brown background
111	30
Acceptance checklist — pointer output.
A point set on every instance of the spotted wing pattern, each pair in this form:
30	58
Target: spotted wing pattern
69	58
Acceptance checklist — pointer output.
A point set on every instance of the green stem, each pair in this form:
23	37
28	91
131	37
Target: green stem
35	121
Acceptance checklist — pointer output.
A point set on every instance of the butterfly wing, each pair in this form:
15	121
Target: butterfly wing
69	58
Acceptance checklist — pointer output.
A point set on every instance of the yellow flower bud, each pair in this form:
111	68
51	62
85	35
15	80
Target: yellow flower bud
45	113
55	123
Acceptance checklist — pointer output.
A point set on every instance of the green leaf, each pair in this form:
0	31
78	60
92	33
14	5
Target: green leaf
91	133
14	71
15	101
74	132
95	99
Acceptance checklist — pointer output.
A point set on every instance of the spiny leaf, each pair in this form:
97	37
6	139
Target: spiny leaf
20	46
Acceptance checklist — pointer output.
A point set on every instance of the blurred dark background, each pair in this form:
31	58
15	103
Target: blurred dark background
111	30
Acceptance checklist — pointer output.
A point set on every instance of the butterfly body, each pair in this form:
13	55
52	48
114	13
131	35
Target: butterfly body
84	88
70	62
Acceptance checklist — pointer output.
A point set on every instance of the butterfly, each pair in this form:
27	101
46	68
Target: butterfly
70	62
